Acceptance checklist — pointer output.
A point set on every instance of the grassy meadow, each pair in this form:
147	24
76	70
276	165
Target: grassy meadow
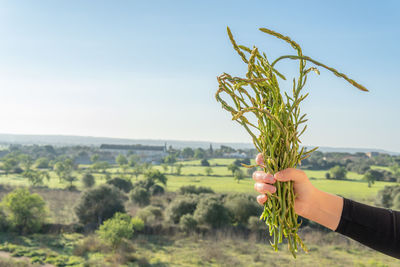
223	248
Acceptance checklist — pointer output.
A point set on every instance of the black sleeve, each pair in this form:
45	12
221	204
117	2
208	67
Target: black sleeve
374	227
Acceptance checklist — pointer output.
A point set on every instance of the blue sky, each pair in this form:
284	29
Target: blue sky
147	69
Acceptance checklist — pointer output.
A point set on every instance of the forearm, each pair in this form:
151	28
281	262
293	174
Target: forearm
325	209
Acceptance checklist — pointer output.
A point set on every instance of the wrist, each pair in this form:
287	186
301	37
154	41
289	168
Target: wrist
326	209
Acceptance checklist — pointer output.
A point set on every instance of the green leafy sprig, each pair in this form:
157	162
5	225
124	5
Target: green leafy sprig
274	121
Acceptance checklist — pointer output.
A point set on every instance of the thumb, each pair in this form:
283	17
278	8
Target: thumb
290	174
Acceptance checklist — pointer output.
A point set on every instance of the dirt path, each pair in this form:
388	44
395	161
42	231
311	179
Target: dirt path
8	255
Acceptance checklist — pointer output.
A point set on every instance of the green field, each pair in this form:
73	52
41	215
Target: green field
220	249
221	180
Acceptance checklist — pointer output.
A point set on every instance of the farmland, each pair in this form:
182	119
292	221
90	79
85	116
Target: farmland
163	243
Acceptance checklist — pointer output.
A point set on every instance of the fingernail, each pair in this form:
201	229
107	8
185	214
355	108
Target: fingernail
260	186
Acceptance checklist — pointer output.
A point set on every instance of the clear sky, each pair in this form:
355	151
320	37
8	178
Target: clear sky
147	69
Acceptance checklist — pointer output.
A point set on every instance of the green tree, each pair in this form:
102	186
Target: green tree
187	153
3	221
42	163
242	207
121	160
211	211
138	169
170	160
122	184
140	196
165	167
26	161
178	169
150	214
26	212
338	172
99	204
396	202
137	224
64	171
88	180
238	175
156	176
180	206
116	229
36	177
188	223
9	164
232	167
204	162
369	177
199	153
133	160
208	171
101	166
94	158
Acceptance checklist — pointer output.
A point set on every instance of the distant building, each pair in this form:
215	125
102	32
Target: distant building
372	154
237	155
153	154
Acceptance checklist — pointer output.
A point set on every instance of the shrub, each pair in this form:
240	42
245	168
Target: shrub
122	184
254	223
150	214
140	196
192	189
338	172
385	197
88	180
188	223
137	224
205	163
114	230
241	207
99	204
396	202
211	211
156	190
144	183
156	175
3	221
26	212
180	206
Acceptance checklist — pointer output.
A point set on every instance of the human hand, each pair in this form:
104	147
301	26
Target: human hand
306	193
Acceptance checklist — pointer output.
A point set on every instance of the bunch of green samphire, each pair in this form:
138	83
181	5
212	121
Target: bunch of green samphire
274	121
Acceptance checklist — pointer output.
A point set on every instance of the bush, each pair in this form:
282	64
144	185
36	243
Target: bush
156	190
150	214
255	224
385	197
338	172
140	196
88	180
211	211
137	224
188	223
241	207
99	204
156	175
180	206
122	184
3	221
26	212
205	163
396	202
114	230
192	189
